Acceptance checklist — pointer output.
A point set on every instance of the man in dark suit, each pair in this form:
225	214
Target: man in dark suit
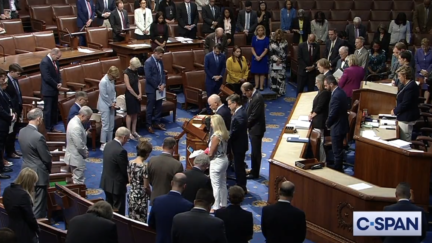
197	226
282	220
238	222
167	206
14	92
214	67
103	10
81	228
85	16
81	100
187	18
195	177
14	7
301	32
332	48
247	21
403	196
342	63
217	107
114	173
256	125
337	120
354	30
51	83
6	119
238	138
211	15
213	39
307	56
119	21
161	169
37	157
155	76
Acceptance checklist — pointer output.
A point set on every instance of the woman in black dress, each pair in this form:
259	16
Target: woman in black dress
264	17
159	32
168	9
228	24
133	96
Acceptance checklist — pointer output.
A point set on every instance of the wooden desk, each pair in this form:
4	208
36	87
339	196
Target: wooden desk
322	194
127	51
30	61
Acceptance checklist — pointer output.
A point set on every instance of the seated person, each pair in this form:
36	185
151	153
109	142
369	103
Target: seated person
423	60
377	59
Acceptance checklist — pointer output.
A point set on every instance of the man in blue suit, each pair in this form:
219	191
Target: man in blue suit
51	83
81	100
214	67
337	120
85	16
238	141
167	206
155	88
216	105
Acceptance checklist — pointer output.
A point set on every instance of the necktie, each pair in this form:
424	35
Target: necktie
216	59
311	53
213	12
123	20
18	91
357	32
55	66
426	15
105	4
331	50
89	10
189	14
247	21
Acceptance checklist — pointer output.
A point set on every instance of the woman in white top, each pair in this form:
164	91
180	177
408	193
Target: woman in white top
143	19
399	29
319	27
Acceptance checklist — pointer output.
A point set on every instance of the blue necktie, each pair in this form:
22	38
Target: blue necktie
18	91
189	14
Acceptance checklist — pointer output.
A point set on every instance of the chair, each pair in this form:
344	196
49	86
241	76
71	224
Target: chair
13	26
240	39
326	12
56	2
173	30
194	88
272	5
381	15
294	57
306	5
27	91
65	26
25	43
275	15
363	14
35	2
107	62
338	25
75	78
9	45
324	4
41	18
62	10
402	5
383	5
363	5
97	38
198	57
171	71
340	15
344	5
409	14
315	142
183	60
92	73
45	40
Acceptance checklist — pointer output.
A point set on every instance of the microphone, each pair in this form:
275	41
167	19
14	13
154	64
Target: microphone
83	28
4	54
68	33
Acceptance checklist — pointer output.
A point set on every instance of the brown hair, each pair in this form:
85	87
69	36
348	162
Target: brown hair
400	46
144	148
324	63
405	70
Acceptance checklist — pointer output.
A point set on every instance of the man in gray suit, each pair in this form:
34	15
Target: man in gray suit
76	148
37	157
361	52
218	37
247	21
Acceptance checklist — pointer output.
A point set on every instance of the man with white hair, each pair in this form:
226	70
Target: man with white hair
76	146
355	30
342	63
217	37
196	179
216	105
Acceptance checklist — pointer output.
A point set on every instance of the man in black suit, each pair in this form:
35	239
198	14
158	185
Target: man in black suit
119	21
354	30
238	138
332	48
217	107
103	10
81	228
342	63
195	177
256	125
14	7
337	120
197	226
187	18
282	220
6	118
307	56
403	196
301	32
114	174
81	99
14	91
211	15
51	83
247	21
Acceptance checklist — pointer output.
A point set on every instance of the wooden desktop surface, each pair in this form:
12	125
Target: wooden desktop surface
322	194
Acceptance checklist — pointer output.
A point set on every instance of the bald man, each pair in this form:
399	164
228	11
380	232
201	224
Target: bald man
307	56
218	37
217	107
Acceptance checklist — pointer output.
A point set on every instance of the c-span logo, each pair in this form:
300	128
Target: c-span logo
387	223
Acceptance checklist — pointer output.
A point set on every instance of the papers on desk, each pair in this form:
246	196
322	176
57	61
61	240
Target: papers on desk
384	122
387	116
84	50
138	45
299	124
303	118
291	137
373	124
181	39
400	144
160	95
370	134
386	84
338	74
359	186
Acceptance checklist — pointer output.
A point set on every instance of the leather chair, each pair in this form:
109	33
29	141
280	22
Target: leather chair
36	82
373	26
381	15
340	15
27	91
402	5
198	57
344	5
13	26
45	40
275	15
182	61
41	18
25	43
294	57
92	73
363	5
9	45
194	88
35	2
383	5
173	30
168	105
74	78
272	5
408	13
200	34
338	25
364	15
306	5
324	5
97	38
62	10
73	6
240	39
171	71
315	142
57	2
106	63
65	26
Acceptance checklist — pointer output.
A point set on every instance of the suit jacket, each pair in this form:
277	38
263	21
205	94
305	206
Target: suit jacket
51	77
107	94
161	171
194	227
164	209
363	57
14	95
81	229
238	223
295	25
350	30
196	179
116	22
238	134
76	143
73	111
208	18
419	18
339	64
100	9
407	206
182	16
407	103
4	4
154	77
256	115
283	221
337	120
36	154
114	173
210	42
320	106
5	113
141	23
225	113
241	20
82	12
235	72
334	55
351	79
303	57
19	208
162	5
393	68
213	68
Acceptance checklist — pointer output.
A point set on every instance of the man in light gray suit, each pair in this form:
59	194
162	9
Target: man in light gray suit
361	52
217	37
247	21
76	148
37	157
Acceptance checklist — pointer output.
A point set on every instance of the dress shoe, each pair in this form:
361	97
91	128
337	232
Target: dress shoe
7	169
159	126
150	129
55	130
248	172
250	176
4	176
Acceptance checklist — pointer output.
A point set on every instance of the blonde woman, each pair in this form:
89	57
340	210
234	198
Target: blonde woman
107	103
133	96
237	70
219	161
18	202
143	19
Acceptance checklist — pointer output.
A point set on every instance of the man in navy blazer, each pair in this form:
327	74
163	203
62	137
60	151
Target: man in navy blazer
155	82
85	16
216	105
81	100
167	206
103	10
119	21
337	120
214	67
51	83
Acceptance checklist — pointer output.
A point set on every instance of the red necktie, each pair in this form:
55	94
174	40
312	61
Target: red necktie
123	20
55	66
89	9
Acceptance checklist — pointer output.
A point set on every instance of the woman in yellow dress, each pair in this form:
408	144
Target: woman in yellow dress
237	70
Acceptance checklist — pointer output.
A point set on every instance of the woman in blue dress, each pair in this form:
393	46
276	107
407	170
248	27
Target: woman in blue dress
259	66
